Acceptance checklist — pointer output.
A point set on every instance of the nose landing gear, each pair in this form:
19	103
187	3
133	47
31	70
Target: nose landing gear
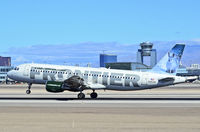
28	91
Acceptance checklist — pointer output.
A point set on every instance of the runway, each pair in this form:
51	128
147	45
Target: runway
112	101
184	95
169	109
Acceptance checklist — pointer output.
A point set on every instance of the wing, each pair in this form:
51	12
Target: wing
95	86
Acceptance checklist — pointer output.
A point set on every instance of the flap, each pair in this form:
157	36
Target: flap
95	86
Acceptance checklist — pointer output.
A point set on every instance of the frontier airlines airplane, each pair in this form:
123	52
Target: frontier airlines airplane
77	79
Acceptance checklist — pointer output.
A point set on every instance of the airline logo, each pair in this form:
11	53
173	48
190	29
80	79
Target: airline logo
105	78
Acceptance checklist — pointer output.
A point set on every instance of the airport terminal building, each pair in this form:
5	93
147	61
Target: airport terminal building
193	70
3	72
5	66
128	66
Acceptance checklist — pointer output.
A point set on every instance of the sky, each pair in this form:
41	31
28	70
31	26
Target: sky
26	23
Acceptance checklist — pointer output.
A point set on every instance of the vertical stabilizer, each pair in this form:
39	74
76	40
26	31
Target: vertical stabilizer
171	61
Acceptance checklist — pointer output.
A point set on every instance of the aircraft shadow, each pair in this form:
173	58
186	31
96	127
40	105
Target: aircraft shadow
117	99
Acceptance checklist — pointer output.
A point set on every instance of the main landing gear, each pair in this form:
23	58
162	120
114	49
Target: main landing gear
28	91
81	95
93	95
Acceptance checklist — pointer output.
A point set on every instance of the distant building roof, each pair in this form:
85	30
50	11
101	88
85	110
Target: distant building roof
109	54
127	66
5	61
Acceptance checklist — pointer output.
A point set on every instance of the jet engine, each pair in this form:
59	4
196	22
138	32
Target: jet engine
74	83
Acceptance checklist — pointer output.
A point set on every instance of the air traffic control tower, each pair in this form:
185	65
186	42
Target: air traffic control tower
146	50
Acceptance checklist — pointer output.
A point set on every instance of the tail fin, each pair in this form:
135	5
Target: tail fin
171	61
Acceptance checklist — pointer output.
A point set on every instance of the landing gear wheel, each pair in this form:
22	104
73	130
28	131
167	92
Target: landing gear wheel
93	95
28	91
81	95
29	87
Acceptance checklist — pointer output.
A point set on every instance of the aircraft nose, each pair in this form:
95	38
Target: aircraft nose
10	74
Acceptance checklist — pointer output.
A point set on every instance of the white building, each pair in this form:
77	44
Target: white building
195	66
3	72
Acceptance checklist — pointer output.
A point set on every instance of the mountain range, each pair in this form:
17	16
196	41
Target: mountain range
88	52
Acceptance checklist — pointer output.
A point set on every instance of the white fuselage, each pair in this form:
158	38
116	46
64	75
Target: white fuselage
95	78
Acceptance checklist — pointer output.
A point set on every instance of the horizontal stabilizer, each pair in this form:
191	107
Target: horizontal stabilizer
191	79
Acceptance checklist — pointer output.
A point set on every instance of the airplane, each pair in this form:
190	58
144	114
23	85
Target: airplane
58	78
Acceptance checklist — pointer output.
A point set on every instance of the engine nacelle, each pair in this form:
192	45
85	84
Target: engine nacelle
55	87
74	83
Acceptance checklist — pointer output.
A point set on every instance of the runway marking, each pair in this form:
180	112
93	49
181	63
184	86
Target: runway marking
104	101
99	103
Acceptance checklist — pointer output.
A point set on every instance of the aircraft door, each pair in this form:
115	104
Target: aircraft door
26	70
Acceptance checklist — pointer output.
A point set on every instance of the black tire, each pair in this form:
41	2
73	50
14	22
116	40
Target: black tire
81	96
28	91
93	95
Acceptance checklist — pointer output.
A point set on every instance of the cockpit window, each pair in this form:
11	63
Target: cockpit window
16	68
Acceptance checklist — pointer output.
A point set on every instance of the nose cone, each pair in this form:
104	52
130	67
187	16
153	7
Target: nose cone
10	74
